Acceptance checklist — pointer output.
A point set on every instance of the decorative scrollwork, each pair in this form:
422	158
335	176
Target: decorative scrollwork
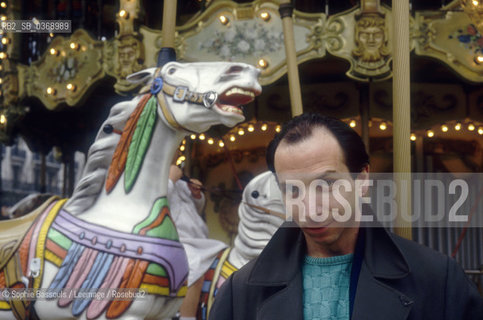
336	26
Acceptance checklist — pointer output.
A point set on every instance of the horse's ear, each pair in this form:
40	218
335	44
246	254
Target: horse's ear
142	76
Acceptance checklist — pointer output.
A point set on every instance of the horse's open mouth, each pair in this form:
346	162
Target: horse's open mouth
231	100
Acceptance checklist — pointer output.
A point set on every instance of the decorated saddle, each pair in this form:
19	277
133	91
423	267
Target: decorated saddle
92	257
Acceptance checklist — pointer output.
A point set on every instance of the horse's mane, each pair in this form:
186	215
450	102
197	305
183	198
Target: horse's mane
99	158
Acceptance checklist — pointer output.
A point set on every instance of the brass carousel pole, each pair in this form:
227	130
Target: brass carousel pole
286	10
169	23
167	52
401	115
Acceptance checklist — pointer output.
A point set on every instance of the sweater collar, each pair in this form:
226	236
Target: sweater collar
287	248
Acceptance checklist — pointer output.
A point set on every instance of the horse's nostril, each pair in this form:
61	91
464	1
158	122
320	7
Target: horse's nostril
235	69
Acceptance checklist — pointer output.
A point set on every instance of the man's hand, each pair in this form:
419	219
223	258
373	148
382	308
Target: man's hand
175	173
195	187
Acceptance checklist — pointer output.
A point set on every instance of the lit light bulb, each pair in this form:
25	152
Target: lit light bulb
264	127
430	133
180	160
54	52
278	128
251	128
202	136
193	136
444	128
71	87
3	4
74	46
221	144
480	130
211	141
412	137
124	14
457	127
383	126
265	15
224	20
241	132
3	119
471	127
262	63
232	138
182	148
51	91
353	124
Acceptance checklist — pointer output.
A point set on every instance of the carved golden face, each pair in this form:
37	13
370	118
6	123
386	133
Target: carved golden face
370	39
128	54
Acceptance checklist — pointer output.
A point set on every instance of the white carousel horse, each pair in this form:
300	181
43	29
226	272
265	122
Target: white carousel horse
116	230
261	212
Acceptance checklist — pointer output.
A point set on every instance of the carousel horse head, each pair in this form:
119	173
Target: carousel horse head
188	97
196	96
261	212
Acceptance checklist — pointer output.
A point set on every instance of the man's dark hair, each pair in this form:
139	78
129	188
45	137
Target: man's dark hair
300	128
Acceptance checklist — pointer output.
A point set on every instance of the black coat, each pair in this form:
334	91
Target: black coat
399	279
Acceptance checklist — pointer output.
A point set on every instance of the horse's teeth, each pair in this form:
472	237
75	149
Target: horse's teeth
231	109
240	91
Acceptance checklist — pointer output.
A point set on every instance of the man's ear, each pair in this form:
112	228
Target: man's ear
364	177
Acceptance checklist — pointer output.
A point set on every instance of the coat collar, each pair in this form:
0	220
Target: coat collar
382	256
383	259
286	248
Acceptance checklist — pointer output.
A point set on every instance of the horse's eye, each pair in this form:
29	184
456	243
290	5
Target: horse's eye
171	70
235	69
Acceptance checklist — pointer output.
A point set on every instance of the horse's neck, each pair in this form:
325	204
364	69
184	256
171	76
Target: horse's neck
239	256
122	211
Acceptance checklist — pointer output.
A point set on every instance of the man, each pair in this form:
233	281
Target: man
186	203
326	269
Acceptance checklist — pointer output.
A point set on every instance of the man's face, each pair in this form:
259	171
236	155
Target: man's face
319	158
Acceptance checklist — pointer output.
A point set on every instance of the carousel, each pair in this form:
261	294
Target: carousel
96	111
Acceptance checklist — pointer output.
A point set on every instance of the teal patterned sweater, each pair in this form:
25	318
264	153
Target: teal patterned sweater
326	287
